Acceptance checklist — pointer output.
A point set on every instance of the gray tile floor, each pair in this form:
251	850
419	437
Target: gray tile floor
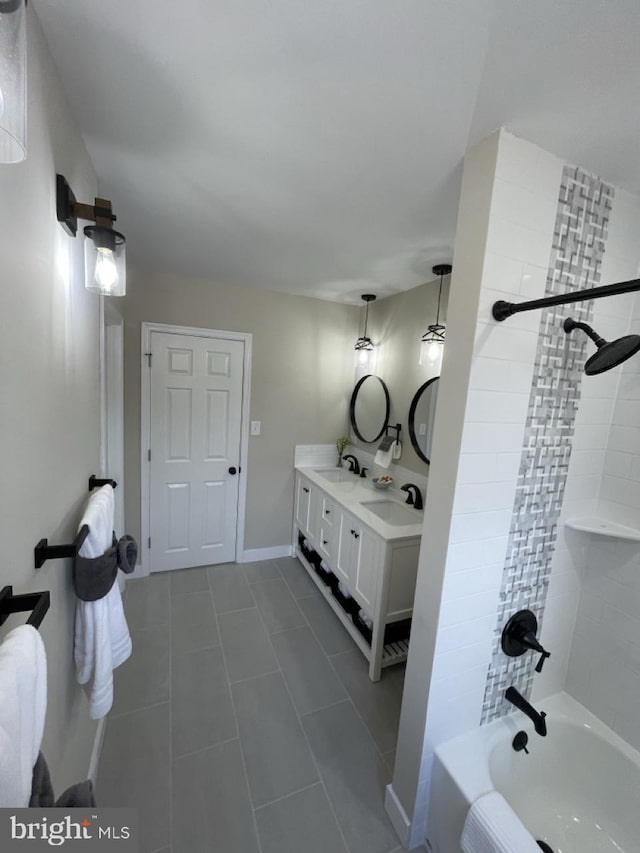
245	721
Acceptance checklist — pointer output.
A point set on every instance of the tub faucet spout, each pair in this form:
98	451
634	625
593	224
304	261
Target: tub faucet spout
537	718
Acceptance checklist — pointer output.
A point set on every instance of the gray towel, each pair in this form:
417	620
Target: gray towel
41	788
127	554
386	442
93	577
78	796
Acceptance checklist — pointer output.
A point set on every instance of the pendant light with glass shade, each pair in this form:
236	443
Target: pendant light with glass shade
432	342
364	344
13	81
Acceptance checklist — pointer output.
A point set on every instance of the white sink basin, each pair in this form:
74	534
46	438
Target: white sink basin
392	512
335	475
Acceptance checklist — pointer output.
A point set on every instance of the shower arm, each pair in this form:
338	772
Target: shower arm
570	324
501	309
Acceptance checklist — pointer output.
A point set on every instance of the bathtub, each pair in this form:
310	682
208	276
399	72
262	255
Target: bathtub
578	790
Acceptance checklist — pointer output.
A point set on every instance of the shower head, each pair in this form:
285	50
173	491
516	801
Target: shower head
609	353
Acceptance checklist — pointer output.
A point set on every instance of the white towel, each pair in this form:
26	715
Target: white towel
23	707
384	454
102	640
368	621
493	827
343	589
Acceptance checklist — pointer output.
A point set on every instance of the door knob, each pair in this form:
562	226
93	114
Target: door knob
232	470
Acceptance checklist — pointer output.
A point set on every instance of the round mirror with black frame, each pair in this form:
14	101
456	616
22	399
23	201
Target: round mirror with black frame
421	418
370	408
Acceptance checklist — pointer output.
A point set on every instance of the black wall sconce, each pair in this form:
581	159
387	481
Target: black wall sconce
104	248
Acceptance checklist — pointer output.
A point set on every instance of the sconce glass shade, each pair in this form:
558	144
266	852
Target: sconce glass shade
104	261
13	81
432	344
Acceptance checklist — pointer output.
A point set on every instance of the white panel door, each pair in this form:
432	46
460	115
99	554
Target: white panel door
196	404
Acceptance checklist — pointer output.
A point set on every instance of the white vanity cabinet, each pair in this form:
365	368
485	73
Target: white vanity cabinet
378	571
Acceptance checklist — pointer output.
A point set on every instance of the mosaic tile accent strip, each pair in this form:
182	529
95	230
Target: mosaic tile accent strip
579	239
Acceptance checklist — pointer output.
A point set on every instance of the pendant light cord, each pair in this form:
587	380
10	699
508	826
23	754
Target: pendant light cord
439	297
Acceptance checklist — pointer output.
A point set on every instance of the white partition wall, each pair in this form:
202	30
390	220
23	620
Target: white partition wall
528	226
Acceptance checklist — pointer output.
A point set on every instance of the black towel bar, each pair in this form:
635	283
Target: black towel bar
43	551
94	482
37	602
397	428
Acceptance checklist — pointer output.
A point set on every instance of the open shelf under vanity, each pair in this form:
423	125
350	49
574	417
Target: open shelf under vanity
395	647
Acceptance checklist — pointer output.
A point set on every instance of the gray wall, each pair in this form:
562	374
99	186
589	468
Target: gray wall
300	383
396	325
49	375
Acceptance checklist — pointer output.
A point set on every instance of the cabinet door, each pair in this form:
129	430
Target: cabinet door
303	492
344	556
366	561
313	517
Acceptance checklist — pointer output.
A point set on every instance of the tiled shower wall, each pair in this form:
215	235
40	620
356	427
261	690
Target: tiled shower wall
604	663
579	239
603	471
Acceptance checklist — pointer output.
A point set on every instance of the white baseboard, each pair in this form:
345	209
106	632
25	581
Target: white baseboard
255	555
397	815
140	571
97	749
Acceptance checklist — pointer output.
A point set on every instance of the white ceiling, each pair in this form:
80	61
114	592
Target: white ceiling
316	147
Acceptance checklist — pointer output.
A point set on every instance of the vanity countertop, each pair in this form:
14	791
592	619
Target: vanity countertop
353	491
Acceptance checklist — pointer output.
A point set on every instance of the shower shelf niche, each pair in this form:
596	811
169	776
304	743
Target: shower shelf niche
603	527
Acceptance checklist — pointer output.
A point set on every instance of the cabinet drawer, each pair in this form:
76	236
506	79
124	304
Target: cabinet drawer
326	542
329	513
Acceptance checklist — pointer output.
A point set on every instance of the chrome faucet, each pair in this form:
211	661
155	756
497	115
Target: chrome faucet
537	718
414	495
354	465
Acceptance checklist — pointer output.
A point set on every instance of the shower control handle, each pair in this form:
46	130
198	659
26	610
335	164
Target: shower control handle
543	658
519	636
